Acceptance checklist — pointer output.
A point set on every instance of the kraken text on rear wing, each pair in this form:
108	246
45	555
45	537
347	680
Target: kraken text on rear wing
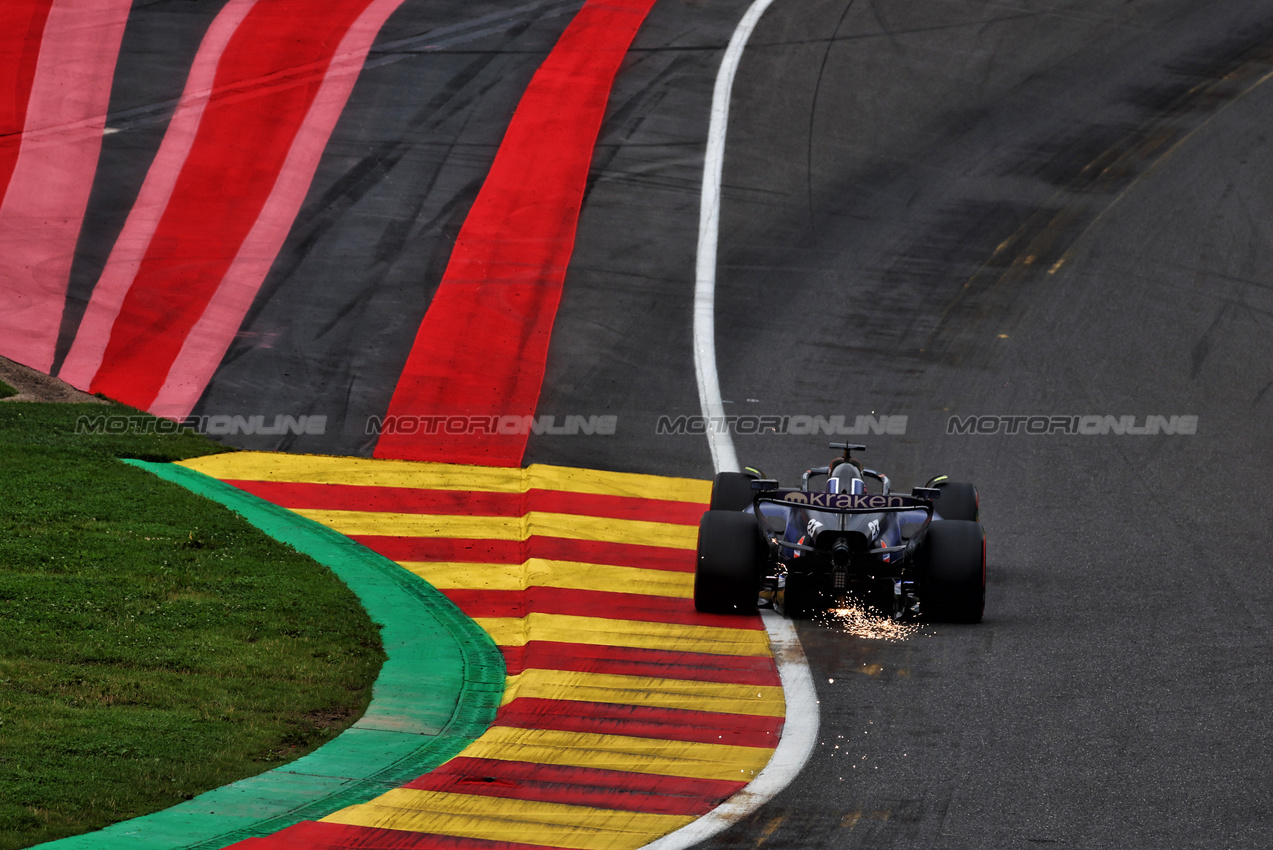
844	501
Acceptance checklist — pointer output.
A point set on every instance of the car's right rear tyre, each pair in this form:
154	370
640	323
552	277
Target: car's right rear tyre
958	500
952	569
731	491
732	555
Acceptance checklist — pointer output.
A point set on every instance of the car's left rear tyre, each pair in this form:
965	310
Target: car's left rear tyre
731	491
952	568
732	555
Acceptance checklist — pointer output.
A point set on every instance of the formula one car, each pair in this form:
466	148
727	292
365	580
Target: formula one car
808	550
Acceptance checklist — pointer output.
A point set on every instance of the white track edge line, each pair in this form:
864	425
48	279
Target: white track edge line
799	735
724	458
800	727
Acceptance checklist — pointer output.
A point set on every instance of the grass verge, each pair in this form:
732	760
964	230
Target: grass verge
6	390
153	645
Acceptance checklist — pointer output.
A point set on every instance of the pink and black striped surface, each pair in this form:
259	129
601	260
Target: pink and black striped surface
268	84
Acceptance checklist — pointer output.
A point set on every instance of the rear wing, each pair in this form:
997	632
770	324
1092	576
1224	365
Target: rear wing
768	491
849	503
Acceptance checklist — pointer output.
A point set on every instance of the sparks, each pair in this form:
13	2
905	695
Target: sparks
859	621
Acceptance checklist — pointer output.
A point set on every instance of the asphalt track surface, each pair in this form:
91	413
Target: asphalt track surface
1042	208
937	209
931	209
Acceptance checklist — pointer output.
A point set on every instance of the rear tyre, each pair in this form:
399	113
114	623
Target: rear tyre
952	569
732	554
731	491
959	500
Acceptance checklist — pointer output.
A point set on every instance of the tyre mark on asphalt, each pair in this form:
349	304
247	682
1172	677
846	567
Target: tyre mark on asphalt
1050	236
813	114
